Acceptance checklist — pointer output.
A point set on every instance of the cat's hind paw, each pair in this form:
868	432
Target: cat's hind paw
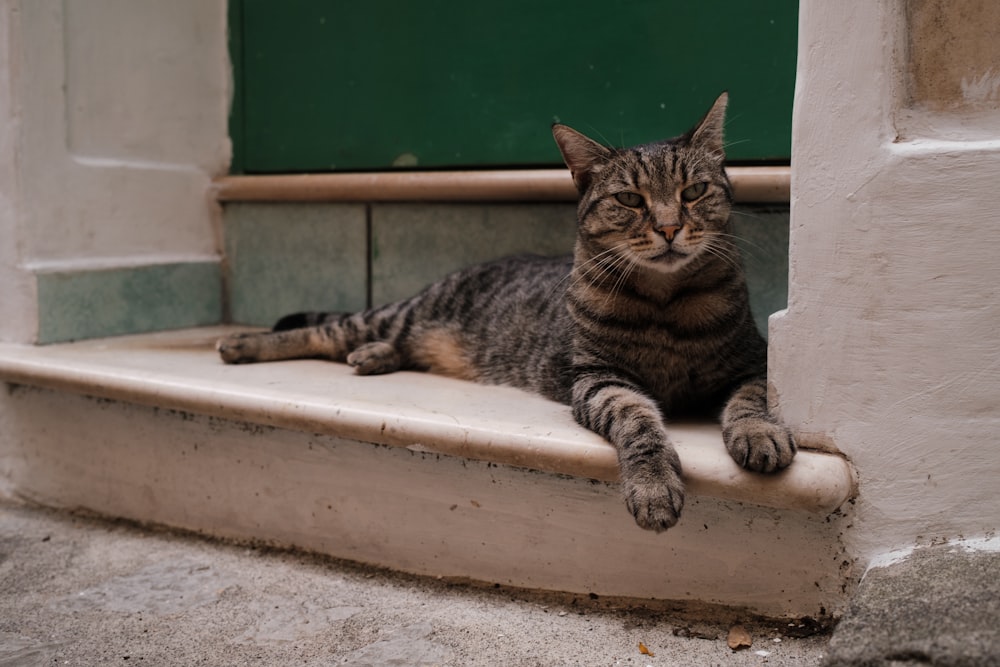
759	444
655	504
241	348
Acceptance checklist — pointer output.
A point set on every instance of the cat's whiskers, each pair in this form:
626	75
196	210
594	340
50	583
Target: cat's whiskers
601	263
611	262
743	239
622	264
623	276
744	214
729	241
734	240
723	235
726	253
592	269
572	271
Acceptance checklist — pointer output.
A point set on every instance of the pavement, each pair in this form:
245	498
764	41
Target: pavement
79	590
938	606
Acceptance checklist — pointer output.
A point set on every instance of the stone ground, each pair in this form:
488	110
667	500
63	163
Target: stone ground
939	605
83	591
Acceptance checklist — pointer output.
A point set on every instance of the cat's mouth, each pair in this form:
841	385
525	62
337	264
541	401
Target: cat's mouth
670	255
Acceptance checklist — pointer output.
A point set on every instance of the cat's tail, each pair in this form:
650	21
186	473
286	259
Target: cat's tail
305	319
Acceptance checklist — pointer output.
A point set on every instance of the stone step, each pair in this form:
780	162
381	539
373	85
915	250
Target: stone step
410	471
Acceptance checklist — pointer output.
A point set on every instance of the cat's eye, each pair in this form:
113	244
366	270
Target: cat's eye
630	199
692	192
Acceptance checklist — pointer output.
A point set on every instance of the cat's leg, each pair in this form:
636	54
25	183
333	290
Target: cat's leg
753	437
650	469
311	342
306	319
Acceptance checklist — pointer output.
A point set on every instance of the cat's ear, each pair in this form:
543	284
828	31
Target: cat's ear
580	153
707	135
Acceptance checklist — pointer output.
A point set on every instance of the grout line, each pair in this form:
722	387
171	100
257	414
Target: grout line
369	255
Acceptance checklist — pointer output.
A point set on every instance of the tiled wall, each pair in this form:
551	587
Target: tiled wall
762	234
74	305
285	258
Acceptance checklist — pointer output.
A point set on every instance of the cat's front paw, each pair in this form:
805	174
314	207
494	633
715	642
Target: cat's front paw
655	503
374	359
759	444
241	348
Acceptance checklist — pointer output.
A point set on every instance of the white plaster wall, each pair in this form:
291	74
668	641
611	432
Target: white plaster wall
17	293
890	344
113	119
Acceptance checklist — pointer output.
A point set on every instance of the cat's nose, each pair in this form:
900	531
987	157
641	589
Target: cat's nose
669	231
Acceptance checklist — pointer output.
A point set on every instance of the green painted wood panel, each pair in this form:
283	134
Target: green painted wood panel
334	85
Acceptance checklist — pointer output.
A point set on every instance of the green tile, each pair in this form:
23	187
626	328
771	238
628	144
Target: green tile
74	305
762	233
416	244
289	257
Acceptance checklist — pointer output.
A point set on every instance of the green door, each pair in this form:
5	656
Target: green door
331	85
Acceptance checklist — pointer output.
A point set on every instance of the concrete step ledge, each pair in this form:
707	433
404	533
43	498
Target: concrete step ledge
179	370
409	471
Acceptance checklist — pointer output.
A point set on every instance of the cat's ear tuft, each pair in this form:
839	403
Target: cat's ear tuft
580	153
707	134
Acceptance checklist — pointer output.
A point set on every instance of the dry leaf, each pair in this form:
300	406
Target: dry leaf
738	638
646	651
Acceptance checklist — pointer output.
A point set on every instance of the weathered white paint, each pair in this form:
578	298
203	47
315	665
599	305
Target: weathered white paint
984	88
419	512
113	119
18	305
890	344
980	544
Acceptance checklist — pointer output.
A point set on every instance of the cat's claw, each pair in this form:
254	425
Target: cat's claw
656	505
760	445
237	348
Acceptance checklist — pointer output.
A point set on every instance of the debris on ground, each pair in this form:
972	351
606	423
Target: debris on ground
804	627
738	638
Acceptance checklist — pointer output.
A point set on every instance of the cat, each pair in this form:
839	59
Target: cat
649	318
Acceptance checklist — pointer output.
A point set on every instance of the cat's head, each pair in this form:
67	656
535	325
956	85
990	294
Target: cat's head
660	205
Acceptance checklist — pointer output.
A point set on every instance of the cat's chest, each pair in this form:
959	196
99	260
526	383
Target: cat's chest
674	357
681	379
671	335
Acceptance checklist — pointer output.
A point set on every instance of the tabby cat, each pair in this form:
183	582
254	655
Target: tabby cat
648	319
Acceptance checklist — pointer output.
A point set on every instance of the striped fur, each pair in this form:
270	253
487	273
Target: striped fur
648	319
